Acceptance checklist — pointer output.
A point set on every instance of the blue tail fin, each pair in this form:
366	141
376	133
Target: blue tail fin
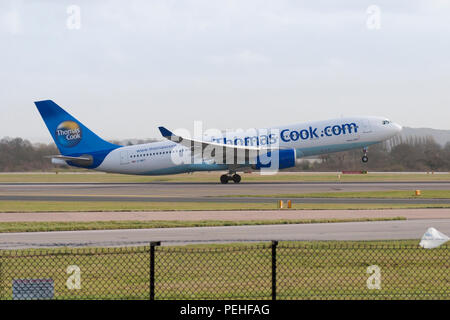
71	137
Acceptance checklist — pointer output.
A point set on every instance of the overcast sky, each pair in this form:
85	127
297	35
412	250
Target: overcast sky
134	65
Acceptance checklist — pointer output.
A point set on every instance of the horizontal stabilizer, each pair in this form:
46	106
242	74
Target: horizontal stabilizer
82	161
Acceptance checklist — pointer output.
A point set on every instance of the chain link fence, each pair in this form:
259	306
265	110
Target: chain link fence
285	270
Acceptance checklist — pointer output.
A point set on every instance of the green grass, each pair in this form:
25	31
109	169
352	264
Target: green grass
305	270
112	225
394	194
98	206
105	206
212	177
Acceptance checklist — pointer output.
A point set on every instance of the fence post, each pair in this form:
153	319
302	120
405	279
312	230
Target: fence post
274	270
152	268
2	295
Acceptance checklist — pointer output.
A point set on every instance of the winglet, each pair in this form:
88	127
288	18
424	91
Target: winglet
165	132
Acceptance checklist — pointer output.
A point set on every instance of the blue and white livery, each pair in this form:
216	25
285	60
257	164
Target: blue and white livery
259	149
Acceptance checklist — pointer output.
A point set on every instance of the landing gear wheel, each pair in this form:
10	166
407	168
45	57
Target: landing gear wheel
236	178
365	159
224	179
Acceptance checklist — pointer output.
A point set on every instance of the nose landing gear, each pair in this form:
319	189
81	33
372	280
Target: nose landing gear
227	177
365	158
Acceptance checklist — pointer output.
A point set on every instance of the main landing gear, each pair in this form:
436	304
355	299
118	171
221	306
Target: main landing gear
227	177
365	158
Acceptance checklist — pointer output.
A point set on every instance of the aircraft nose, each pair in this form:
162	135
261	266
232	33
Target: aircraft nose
398	128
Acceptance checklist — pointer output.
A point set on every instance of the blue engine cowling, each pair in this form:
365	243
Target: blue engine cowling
282	158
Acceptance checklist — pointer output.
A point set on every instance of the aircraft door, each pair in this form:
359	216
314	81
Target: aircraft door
366	128
124	159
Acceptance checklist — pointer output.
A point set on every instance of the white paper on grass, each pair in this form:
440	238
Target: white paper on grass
433	239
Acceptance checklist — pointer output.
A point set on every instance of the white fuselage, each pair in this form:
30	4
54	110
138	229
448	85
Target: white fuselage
308	139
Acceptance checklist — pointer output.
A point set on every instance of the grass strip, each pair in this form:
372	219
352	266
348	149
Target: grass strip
393	194
11	206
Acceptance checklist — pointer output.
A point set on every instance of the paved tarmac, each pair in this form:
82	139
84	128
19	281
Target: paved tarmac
196	189
223	215
209	192
381	230
222	199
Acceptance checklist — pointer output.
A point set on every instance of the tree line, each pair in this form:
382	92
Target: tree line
397	154
17	154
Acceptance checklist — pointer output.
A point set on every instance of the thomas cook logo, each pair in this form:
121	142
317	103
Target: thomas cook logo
68	134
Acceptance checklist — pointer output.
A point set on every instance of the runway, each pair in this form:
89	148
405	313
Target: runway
223	199
214	192
195	189
223	215
210	192
409	229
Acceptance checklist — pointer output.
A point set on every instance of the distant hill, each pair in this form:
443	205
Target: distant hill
440	136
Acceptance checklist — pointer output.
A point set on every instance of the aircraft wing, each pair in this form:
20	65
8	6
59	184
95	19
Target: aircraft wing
219	152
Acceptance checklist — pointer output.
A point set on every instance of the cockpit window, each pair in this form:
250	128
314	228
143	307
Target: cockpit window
385	122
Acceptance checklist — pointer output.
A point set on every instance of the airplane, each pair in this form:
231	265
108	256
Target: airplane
267	149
